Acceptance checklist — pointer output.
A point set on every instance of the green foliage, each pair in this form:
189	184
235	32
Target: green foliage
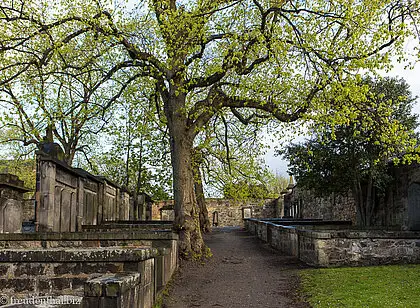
137	156
381	286
24	168
338	155
353	154
256	187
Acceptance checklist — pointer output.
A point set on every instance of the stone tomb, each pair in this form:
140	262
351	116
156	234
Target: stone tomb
323	243
68	198
11	203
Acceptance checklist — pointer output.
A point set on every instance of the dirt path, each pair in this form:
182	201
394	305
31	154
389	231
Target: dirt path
242	273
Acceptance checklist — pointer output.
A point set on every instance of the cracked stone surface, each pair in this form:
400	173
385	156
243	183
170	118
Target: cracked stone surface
244	272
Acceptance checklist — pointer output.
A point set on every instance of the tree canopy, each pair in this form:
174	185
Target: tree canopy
354	156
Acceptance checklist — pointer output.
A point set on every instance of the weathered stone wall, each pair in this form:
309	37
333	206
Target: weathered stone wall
225	212
329	247
101	269
357	249
399	208
304	204
96	275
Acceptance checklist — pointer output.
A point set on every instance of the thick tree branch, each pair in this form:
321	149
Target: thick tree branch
218	99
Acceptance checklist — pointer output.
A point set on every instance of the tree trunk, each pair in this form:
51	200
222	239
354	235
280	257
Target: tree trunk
369	201
138	186
186	220
365	201
358	198
201	202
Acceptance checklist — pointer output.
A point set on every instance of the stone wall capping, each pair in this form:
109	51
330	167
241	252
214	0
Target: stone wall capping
375	234
58	255
314	234
85	236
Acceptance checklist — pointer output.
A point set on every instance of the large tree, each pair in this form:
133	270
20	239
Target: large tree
354	156
204	56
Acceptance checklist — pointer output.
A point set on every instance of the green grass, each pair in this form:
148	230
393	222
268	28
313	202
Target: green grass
378	286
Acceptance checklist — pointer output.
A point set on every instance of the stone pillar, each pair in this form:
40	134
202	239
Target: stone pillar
11	203
280	207
80	218
45	205
124	206
101	201
117	204
142	206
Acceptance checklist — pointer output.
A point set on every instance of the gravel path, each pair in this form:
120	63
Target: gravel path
243	272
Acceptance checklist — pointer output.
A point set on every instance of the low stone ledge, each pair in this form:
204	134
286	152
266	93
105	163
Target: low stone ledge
111	254
340	247
376	234
125	227
83	236
309	222
138	222
290	229
314	234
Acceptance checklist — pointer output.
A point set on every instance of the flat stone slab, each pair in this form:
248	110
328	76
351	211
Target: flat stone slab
89	236
106	254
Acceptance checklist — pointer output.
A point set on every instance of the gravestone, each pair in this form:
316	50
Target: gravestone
11	203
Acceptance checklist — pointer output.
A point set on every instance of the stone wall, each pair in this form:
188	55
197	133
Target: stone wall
399	208
302	203
224	212
331	247
99	269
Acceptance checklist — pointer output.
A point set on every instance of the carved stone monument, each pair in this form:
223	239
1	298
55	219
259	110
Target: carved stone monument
11	203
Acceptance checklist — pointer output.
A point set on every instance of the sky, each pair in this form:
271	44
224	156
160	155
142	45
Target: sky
411	76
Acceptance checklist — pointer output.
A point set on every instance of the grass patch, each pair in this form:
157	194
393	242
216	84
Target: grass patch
377	286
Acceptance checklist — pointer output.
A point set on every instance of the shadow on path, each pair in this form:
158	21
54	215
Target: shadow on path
244	272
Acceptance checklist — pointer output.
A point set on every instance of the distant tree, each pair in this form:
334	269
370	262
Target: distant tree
223	153
354	156
263	186
16	161
136	154
67	108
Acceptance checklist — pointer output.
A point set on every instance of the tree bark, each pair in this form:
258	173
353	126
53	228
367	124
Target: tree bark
187	223
136	191
201	202
369	200
365	201
358	198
